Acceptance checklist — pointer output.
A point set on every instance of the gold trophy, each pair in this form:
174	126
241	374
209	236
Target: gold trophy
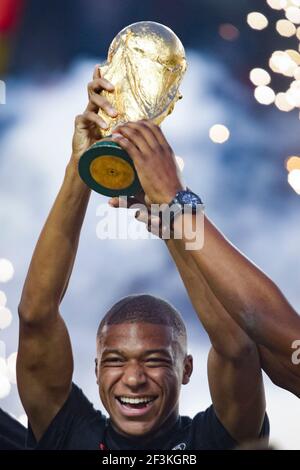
146	62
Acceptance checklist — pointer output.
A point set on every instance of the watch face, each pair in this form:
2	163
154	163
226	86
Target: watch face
187	197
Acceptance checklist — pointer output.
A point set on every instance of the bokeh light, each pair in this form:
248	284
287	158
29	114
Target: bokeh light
294	180
3	299
277	4
229	32
292	163
2	349
284	62
293	14
5	318
264	95
6	270
3	367
219	133
260	77
257	20
282	103
5	386
11	368
285	28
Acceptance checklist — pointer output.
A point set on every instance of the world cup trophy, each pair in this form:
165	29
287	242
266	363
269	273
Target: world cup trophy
146	63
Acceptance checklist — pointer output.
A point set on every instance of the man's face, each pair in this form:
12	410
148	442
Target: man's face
139	375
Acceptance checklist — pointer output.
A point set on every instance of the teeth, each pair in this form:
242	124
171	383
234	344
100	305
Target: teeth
135	401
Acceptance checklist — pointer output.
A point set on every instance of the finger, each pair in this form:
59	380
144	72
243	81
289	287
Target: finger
142	216
114	202
99	84
100	102
152	135
134	135
90	117
154	226
97	72
147	134
130	147
155	130
121	201
95	87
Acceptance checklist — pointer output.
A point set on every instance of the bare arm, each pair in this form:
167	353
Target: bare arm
234	371
45	364
254	302
233	367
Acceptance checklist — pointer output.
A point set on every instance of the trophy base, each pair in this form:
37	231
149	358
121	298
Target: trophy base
107	169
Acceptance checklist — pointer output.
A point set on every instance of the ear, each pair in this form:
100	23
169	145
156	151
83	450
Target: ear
96	369
187	369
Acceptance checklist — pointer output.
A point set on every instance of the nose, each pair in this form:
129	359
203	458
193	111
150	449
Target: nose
134	375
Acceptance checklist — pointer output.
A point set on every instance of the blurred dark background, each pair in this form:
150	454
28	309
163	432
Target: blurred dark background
45	36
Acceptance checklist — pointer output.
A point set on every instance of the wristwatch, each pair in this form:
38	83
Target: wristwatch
184	201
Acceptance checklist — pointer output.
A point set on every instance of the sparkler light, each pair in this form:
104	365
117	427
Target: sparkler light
286	63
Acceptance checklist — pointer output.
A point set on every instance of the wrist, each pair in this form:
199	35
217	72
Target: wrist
72	175
169	196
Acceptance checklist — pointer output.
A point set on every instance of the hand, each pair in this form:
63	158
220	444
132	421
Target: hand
88	125
143	214
153	159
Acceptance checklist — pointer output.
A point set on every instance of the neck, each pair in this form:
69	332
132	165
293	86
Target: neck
160	431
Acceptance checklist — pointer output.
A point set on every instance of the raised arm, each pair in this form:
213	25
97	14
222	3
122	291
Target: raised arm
234	370
246	293
45	364
254	302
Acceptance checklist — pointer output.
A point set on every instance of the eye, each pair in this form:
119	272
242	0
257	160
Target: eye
157	362
113	361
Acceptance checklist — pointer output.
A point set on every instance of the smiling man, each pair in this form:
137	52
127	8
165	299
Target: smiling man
142	357
141	363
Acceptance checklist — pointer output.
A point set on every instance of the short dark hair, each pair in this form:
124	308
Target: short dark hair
145	308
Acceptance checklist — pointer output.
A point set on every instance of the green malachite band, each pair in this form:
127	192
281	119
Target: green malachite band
104	148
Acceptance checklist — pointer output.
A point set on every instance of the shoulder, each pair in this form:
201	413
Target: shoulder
74	427
12	433
209	433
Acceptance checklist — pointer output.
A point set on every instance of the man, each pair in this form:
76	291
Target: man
142	359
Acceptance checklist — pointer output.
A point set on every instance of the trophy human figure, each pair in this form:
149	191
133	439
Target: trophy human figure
146	63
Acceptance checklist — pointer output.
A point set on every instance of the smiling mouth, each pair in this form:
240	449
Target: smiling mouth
135	406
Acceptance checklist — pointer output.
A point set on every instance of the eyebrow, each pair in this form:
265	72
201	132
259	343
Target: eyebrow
120	352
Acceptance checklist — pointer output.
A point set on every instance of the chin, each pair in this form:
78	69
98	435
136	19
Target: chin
136	429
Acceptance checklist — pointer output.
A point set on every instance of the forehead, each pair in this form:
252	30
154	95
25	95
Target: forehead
136	336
